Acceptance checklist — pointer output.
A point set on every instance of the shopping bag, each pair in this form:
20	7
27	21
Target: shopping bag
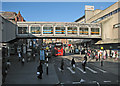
38	73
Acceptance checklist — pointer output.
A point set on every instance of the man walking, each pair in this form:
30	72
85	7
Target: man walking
73	63
62	64
84	62
40	70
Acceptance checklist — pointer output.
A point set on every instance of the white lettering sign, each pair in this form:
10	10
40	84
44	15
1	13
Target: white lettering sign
89	7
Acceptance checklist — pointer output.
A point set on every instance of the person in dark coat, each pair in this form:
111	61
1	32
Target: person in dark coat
23	61
62	64
40	70
72	62
84	64
85	58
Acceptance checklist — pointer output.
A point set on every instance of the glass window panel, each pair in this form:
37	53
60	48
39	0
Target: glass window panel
22	30
47	30
94	31
72	30
35	30
60	30
83	31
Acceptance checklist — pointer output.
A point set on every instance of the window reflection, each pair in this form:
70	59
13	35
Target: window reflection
83	31
72	30
22	30
94	31
59	30
35	30
47	30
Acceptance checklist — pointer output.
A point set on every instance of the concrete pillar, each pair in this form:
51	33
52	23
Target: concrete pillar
29	31
89	31
100	31
78	32
66	31
53	30
41	30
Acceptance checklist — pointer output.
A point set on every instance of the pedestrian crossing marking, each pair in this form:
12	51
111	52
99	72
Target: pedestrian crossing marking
91	70
73	72
107	81
82	80
102	70
76	82
81	70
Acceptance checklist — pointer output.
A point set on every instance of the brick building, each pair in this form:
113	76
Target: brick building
12	16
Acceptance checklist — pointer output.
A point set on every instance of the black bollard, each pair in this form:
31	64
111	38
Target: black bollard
101	62
47	66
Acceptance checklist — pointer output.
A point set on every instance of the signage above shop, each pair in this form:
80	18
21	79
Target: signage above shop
87	7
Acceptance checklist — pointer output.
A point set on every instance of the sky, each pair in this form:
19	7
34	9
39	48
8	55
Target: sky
52	11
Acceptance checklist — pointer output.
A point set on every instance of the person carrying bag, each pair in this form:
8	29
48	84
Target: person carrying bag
40	71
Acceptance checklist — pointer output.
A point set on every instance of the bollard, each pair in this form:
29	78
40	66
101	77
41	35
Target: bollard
47	66
101	62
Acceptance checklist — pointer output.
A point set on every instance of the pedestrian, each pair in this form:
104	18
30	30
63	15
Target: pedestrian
73	63
62	64
85	58
84	64
23	61
19	55
40	71
106	55
34	56
8	63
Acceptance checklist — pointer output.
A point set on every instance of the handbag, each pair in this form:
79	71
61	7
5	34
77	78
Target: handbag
38	73
74	65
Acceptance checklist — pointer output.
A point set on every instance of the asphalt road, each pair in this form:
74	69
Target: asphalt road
94	74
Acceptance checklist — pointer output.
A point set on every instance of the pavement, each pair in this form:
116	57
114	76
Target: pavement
26	74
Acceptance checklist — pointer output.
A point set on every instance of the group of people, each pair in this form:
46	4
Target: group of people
102	54
73	63
21	58
28	58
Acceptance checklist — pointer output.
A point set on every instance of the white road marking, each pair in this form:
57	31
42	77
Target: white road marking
59	69
91	70
96	83
102	70
71	70
107	81
81	70
82	80
76	82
